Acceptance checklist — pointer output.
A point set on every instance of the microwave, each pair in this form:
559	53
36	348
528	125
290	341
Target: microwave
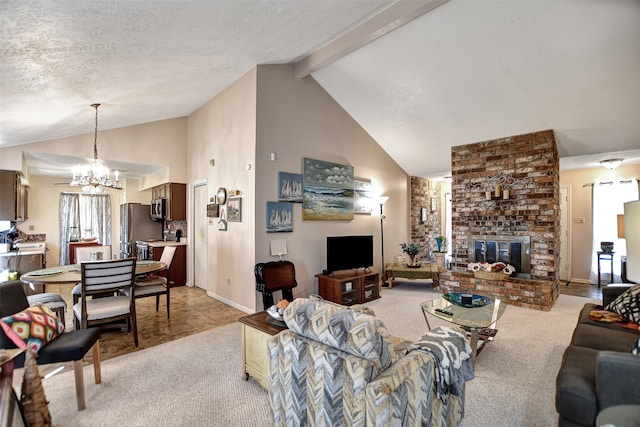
158	209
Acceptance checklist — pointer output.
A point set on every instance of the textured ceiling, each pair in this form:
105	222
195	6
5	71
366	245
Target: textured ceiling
465	72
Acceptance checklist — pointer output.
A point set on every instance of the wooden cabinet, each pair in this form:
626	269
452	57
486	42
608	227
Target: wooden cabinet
349	288
176	200
178	270
13	196
256	330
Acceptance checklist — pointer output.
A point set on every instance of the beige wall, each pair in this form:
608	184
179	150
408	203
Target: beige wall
224	130
581	235
296	118
44	203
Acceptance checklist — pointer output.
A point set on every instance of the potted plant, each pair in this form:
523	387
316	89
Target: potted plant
440	254
412	250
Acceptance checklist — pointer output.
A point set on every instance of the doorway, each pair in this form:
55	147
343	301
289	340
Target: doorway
200	239
565	234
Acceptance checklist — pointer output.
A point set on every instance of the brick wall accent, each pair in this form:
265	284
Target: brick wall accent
422	190
532	210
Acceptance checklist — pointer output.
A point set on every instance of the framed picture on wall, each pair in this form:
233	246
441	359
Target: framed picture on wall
234	209
423	214
279	217
434	204
213	210
362	200
327	190
289	187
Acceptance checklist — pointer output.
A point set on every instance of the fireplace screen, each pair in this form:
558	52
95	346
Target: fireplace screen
514	250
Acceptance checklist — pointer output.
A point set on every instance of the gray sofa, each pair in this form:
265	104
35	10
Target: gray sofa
598	369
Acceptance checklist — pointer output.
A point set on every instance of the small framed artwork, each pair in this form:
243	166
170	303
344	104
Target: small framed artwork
234	209
289	187
423	214
213	210
279	217
363	202
434	204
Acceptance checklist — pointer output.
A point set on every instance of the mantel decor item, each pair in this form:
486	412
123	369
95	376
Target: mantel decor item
491	271
94	176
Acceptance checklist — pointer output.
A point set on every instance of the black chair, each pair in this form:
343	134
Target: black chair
275	276
69	346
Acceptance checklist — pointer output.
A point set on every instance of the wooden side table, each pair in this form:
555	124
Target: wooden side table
256	330
605	256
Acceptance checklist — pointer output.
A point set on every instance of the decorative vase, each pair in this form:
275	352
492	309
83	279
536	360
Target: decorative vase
440	260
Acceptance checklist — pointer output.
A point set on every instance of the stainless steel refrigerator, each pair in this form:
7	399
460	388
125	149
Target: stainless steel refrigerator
136	224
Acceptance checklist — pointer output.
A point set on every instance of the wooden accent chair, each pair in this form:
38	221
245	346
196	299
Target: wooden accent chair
275	276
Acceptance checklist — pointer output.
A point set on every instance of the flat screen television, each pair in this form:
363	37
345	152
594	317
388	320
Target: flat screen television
349	252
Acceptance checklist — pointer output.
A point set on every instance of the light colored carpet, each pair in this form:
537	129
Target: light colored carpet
198	380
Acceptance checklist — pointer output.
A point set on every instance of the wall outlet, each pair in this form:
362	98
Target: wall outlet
578	219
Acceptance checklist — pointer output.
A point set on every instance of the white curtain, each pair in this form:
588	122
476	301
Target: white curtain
608	199
90	213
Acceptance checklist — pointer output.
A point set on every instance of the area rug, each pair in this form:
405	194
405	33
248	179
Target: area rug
198	380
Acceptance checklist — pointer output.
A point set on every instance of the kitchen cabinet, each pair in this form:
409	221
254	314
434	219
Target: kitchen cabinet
176	196
178	270
13	196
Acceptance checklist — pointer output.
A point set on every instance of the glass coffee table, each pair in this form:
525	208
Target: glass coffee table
478	322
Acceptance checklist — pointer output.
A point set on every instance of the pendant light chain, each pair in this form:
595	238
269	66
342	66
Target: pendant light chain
95	137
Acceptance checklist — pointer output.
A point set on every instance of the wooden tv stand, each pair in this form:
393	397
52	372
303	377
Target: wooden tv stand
348	288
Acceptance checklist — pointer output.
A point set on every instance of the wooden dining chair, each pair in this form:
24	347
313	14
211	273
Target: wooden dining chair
84	254
107	277
156	284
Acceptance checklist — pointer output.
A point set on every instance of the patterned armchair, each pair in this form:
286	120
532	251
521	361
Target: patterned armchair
339	366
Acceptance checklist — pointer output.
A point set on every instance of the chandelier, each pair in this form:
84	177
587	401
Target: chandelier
94	176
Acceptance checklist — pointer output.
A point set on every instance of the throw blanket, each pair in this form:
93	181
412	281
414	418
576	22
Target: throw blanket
604	316
452	354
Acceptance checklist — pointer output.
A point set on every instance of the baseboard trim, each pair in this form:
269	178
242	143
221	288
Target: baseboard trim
582	281
231	303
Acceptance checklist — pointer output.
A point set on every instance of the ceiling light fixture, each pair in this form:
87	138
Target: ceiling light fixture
611	163
94	176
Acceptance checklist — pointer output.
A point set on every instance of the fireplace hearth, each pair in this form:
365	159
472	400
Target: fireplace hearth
513	250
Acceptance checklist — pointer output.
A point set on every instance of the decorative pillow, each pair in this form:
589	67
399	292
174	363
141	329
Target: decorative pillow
636	348
627	304
33	327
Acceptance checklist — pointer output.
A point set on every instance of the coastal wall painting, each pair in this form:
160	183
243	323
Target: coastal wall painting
289	187
327	190
362	200
279	217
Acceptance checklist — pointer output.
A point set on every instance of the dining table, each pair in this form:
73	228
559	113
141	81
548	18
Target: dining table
71	274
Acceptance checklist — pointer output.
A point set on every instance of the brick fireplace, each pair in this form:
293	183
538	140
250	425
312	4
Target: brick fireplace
527	167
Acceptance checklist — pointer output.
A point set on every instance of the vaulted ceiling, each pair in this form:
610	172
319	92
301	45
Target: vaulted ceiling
419	76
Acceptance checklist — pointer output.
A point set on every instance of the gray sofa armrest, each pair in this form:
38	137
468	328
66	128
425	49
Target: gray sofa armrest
617	379
612	291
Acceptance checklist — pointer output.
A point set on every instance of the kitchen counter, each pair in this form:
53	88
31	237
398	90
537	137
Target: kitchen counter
37	248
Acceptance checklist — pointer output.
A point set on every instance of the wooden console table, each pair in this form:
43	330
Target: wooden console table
256	330
426	271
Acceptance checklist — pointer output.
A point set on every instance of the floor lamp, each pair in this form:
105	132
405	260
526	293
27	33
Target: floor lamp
381	201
